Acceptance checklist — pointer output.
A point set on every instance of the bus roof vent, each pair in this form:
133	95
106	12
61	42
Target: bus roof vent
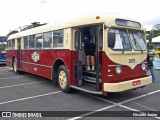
26	27
33	25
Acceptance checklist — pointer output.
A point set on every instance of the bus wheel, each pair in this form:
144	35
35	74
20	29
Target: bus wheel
63	79
15	68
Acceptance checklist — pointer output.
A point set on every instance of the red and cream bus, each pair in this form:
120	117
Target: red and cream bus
56	52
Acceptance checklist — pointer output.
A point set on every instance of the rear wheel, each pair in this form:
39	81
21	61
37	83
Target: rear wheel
63	79
15	68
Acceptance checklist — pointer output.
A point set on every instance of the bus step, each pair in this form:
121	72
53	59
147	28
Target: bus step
90	79
91	74
88	88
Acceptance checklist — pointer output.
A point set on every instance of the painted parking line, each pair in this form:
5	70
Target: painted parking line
12	77
89	113
5	72
20	84
105	108
144	106
27	98
114	105
141	96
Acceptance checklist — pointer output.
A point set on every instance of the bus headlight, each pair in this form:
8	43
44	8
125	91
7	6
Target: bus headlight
118	70
143	67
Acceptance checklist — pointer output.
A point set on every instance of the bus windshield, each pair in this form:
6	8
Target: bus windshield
137	40
123	40
3	47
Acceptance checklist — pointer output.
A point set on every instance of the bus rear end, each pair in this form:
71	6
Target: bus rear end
2	57
3	42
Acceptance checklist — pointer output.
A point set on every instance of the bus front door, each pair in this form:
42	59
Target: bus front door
78	48
81	74
79	57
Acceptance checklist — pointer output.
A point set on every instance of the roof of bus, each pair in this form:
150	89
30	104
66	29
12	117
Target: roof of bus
108	19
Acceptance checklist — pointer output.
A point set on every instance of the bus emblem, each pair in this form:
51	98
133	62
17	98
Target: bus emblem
35	56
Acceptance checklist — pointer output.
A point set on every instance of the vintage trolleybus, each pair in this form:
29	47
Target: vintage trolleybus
56	52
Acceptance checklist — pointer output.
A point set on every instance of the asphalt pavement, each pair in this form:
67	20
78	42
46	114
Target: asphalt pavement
30	97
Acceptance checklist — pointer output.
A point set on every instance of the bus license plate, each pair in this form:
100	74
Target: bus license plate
137	82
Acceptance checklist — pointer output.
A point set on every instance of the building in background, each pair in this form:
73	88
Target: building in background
156	42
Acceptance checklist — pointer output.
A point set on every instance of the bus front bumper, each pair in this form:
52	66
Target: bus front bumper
127	85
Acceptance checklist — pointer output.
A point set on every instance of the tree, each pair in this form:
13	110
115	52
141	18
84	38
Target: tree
156	30
156	27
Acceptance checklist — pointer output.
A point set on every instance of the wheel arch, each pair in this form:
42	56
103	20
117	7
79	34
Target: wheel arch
55	67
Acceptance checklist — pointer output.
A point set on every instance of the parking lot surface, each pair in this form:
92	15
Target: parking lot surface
29	93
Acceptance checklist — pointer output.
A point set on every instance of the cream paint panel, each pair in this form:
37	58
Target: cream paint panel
16	44
127	85
73	38
67	38
109	19
22	43
123	58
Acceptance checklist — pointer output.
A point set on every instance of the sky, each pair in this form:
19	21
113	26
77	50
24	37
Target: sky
16	13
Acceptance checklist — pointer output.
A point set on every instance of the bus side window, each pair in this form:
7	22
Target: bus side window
39	41
47	40
25	42
58	38
111	38
9	44
13	44
31	41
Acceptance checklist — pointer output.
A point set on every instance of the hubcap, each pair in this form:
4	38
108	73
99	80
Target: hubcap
62	79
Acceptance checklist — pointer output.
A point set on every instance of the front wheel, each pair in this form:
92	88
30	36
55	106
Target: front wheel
63	79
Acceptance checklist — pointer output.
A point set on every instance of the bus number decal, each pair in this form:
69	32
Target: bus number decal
132	60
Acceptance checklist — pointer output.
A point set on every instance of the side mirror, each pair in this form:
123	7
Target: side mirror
111	40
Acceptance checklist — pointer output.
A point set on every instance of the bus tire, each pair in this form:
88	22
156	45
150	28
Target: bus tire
63	79
15	67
